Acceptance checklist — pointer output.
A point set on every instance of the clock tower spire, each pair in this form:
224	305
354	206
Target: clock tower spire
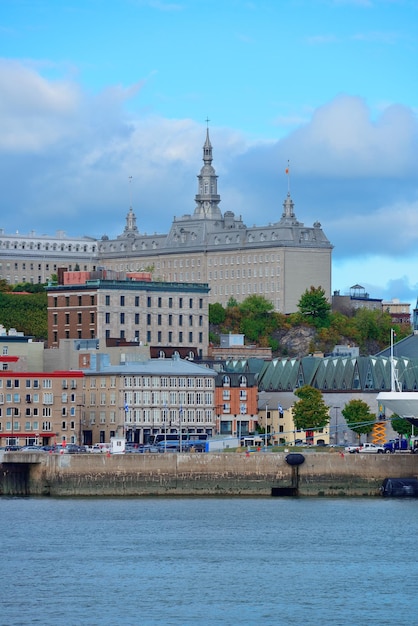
207	198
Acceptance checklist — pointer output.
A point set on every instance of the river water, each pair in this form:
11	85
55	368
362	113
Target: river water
198	561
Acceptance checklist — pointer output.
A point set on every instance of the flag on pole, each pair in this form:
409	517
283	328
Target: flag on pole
126	408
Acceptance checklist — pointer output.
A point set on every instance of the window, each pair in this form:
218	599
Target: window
122	301
107	300
122	318
107	318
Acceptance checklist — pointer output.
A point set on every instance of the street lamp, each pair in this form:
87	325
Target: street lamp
336	424
265	432
180	426
80	406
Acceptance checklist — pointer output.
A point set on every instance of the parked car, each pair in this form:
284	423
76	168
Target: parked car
73	448
371	448
352	448
32	449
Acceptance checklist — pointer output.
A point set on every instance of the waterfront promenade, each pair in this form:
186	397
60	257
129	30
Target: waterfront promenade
329	473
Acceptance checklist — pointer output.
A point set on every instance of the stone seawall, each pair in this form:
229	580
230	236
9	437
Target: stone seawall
258	474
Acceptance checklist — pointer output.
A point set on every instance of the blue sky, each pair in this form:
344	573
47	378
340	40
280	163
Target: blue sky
94	91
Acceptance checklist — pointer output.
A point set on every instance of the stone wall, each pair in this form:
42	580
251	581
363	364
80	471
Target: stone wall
238	474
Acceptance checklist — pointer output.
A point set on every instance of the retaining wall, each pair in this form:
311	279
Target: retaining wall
325	473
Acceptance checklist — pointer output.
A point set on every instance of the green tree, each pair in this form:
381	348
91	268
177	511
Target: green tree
358	417
310	412
314	305
217	313
401	426
25	312
4	286
257	321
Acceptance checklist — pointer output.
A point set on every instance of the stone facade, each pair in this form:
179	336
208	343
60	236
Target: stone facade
279	260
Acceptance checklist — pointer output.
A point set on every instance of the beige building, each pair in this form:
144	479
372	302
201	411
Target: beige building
19	352
35	258
279	260
275	416
39	408
139	399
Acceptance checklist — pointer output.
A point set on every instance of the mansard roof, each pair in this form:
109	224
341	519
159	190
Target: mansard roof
208	227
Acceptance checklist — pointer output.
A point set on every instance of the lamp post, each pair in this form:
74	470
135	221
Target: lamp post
336	424
80	406
265	432
180	420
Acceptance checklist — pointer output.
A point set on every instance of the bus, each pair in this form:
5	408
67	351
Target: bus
185	437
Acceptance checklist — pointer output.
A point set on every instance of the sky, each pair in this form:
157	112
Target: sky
105	104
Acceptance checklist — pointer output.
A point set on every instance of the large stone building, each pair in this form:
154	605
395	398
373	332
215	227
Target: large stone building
34	258
139	399
40	408
279	260
148	312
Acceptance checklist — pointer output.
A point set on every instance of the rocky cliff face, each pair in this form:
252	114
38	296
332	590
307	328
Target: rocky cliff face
297	342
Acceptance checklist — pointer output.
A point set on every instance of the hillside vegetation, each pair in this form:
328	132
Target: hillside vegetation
313	328
24	307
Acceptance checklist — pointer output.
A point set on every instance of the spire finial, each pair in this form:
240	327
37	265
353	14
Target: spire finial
130	191
207	120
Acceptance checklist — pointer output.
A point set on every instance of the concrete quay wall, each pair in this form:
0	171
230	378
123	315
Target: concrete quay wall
211	474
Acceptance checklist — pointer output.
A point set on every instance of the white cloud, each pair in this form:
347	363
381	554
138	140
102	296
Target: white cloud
342	140
34	112
66	157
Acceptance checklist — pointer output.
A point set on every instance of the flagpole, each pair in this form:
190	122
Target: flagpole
180	413
392	370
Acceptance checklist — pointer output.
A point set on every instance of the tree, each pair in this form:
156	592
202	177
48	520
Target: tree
257	320
216	313
401	426
310	412
314	304
4	285
358	417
